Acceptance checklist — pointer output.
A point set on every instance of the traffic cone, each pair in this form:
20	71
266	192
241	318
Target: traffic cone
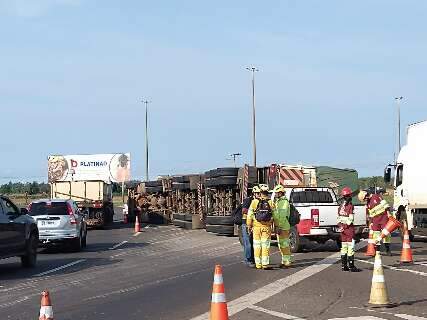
46	311
379	296
406	255
218	305
137	225
391	225
370	249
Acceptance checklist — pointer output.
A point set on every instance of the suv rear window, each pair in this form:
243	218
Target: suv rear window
312	196
49	208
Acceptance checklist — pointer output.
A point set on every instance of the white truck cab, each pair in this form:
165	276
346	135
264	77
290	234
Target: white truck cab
410	180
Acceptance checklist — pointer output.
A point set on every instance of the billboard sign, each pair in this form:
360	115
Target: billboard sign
95	167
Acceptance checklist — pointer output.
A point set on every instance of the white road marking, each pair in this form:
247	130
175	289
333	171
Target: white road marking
278	286
274	313
420	264
409	317
359	318
118	245
420	273
60	268
137	234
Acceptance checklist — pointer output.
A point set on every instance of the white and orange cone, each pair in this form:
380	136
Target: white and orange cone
219	304
406	255
46	311
371	248
137	225
379	296
391	225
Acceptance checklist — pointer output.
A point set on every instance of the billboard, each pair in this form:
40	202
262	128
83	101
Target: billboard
95	167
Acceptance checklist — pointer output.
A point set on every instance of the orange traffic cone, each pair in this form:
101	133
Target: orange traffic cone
46	311
370	249
379	295
391	225
137	225
406	255
218	305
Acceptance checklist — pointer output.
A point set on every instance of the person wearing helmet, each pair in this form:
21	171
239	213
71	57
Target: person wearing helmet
345	224
379	212
281	214
259	221
247	238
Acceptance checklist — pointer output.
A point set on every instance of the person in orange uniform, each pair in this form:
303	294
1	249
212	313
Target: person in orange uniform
259	223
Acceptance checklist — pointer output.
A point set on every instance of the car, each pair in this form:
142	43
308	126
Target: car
59	221
19	235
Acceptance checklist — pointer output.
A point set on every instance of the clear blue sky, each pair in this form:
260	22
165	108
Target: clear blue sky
73	72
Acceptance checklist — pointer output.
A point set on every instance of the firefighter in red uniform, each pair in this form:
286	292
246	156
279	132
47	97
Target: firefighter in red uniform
379	211
345	224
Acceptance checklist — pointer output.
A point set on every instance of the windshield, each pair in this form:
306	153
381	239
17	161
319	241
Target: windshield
49	208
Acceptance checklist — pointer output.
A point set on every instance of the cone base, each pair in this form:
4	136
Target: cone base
406	262
384	306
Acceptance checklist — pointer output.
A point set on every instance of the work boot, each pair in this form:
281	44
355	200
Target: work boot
387	249
344	263
352	268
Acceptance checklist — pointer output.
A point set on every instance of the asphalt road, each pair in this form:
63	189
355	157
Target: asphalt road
166	273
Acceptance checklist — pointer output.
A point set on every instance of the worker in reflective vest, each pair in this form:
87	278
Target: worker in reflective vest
379	211
281	214
247	238
259	222
345	224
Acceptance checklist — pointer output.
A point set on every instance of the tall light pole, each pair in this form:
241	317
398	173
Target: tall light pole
146	102
253	70
398	100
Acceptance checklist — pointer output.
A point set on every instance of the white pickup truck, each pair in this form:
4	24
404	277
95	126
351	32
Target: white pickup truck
318	208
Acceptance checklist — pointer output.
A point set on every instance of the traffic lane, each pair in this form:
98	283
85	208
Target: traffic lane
100	243
333	293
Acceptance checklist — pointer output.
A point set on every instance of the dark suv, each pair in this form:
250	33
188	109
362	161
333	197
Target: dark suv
19	235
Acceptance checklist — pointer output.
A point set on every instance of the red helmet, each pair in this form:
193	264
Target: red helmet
346	191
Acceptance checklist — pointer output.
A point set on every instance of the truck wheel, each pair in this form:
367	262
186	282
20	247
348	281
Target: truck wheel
294	240
29	260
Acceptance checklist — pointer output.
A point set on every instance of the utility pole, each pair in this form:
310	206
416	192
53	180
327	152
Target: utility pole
235	155
146	102
253	70
398	101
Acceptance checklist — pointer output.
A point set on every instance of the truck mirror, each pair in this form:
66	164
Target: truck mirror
387	175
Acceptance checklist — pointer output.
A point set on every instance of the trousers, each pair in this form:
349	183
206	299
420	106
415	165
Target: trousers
248	251
285	250
262	239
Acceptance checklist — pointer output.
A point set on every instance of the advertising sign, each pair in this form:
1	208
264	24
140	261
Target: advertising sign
95	167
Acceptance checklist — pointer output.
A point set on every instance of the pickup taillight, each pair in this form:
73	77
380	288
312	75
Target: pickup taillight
71	214
315	217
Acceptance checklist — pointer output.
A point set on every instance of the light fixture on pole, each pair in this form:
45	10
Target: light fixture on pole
253	70
146	102
234	156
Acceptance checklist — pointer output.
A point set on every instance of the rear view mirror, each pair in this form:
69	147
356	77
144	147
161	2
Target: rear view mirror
387	175
24	211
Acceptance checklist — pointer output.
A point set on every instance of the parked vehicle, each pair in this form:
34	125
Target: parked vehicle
318	208
94	199
410	192
59	221
19	235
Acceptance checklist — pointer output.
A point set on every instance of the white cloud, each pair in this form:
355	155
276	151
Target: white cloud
32	8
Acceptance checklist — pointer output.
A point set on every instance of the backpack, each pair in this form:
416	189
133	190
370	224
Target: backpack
263	212
294	216
237	215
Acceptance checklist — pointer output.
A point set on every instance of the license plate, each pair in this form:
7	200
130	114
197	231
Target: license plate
44	223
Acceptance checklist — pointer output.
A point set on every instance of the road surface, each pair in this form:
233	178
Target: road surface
166	273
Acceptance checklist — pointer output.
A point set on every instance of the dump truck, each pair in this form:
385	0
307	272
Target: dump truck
94	198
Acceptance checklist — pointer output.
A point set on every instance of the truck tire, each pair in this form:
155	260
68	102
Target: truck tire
188	225
178	216
153	184
181	179
226	181
150	190
220	220
220	229
219	172
29	260
188	217
294	240
181	186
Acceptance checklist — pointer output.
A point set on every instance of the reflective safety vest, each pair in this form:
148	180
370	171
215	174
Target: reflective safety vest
345	214
281	213
377	206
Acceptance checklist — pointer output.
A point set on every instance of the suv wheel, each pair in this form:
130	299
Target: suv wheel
84	242
29	260
77	244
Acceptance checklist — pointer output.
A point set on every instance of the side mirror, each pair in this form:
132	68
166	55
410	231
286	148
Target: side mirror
24	211
387	175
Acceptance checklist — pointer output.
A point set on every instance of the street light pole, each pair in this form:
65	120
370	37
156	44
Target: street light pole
253	70
146	102
398	101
